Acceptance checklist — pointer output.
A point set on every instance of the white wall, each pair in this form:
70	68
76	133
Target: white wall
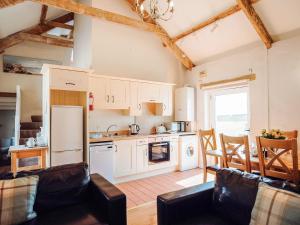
31	85
274	95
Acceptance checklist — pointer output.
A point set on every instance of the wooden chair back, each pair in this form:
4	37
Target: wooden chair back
233	156
281	159
207	140
290	134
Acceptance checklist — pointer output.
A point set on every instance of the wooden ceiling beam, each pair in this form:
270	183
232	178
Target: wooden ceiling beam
167	41
231	10
256	22
18	38
61	25
47	40
8	3
43	16
79	8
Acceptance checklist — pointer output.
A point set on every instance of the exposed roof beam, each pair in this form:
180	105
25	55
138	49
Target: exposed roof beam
231	10
61	25
167	41
43	16
19	37
47	40
256	22
8	3
72	6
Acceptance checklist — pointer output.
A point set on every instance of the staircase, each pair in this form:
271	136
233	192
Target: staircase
30	129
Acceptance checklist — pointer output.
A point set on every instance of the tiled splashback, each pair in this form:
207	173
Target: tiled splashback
100	120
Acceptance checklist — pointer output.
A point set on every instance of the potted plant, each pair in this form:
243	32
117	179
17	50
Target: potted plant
272	134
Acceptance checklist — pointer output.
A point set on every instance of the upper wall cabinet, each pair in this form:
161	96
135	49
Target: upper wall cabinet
166	99
149	92
109	93
135	108
185	104
69	80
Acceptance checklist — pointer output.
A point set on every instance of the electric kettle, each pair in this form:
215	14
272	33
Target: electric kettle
134	129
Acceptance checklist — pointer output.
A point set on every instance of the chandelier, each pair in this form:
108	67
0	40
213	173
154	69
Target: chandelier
157	10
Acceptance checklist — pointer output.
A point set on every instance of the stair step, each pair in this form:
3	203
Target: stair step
31	125
36	118
28	133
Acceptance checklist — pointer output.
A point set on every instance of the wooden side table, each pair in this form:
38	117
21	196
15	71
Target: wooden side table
22	152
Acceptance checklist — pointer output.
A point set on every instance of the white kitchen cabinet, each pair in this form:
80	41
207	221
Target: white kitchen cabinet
109	93
184	104
149	93
174	146
142	156
135	108
125	158
166	99
67	79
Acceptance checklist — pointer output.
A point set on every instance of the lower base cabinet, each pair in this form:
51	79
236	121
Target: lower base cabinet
125	161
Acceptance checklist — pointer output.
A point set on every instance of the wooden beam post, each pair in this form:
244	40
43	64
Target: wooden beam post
61	25
256	22
43	16
231	10
47	40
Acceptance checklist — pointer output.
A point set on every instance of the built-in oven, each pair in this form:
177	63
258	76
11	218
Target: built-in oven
159	152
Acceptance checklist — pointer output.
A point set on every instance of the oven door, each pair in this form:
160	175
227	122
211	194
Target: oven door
159	152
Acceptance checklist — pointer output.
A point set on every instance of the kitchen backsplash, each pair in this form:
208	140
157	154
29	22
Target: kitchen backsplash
100	120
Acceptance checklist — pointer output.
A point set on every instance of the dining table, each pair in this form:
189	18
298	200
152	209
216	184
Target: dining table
286	158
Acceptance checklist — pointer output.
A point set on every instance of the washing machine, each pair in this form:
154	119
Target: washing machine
188	152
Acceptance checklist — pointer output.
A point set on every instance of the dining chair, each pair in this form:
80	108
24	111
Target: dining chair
236	152
290	134
209	147
274	160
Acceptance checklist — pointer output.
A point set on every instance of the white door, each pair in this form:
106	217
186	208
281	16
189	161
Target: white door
135	105
141	158
174	143
18	115
166	99
229	111
99	86
125	158
119	94
149	93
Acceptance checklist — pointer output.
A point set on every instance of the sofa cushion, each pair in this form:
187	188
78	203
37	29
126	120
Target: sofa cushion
275	206
235	193
17	198
60	186
80	214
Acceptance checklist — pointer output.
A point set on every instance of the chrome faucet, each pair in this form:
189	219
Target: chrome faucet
107	130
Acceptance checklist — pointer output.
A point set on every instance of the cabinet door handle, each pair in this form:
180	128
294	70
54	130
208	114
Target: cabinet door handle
152	100
107	98
113	99
164	107
140	107
116	148
70	83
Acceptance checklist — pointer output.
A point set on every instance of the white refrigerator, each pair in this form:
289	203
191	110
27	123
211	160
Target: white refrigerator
66	135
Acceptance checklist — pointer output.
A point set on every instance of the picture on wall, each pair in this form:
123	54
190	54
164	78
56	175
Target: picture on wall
25	65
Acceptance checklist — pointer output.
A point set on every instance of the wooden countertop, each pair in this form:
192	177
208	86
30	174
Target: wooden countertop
136	137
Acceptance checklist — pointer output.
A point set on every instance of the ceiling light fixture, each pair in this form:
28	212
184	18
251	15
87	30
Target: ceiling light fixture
157	10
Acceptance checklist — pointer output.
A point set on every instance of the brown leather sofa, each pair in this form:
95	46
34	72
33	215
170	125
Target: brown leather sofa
228	201
68	195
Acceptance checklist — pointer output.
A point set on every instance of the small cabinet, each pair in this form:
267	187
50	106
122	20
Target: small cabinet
69	80
174	146
109	93
142	155
149	93
135	108
166	97
125	158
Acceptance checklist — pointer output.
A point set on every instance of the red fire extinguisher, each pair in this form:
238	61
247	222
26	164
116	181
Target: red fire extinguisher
91	101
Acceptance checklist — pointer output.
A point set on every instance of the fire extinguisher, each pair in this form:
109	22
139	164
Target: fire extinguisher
91	101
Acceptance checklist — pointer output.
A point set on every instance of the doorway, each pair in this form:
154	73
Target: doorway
228	110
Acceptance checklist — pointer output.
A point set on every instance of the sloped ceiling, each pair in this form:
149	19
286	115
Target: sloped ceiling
279	17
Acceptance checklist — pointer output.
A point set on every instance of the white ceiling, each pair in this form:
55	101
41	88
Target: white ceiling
279	16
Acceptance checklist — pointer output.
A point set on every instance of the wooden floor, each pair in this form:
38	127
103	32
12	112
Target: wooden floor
146	190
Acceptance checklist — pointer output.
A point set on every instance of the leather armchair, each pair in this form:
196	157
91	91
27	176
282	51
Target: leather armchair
228	201
68	195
